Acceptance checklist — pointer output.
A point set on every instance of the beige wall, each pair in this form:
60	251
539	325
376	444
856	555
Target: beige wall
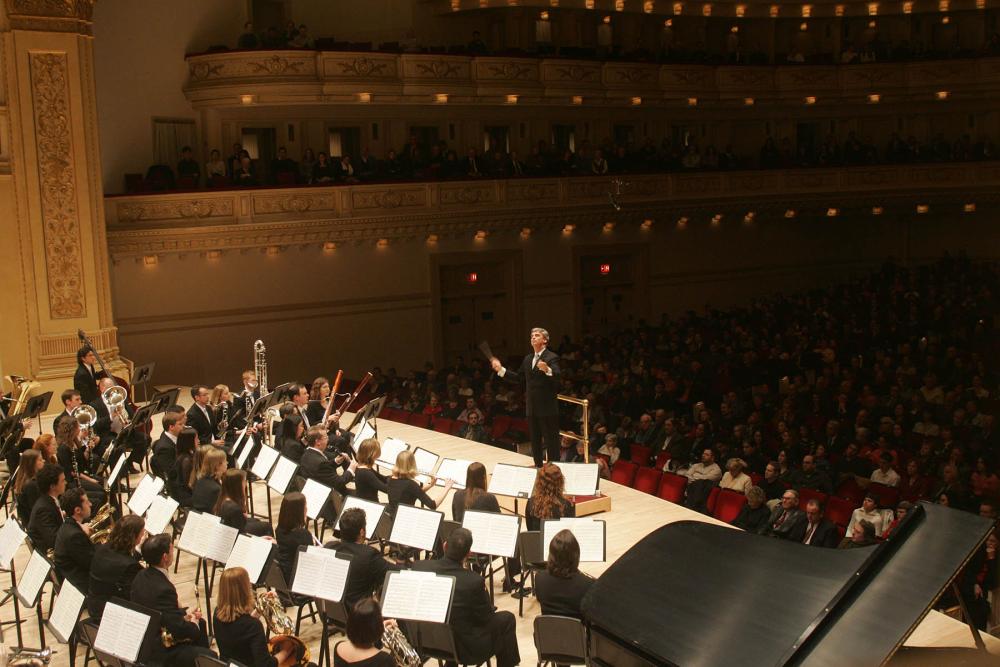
139	48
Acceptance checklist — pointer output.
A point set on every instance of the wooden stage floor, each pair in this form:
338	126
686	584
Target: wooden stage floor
633	515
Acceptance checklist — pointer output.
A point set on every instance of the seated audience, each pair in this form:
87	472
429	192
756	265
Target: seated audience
816	530
786	518
754	515
868	511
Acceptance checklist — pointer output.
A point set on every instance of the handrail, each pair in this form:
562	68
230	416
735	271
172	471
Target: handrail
585	438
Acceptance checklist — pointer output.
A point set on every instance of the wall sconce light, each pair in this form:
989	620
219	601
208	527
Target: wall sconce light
382	243
364	97
441	98
832	212
150	260
329	246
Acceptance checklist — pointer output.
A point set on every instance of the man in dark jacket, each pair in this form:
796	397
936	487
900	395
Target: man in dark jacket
368	567
74	550
46	519
816	530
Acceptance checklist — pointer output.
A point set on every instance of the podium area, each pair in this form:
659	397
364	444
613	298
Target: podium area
634	515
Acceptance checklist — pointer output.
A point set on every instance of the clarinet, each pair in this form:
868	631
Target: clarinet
224	420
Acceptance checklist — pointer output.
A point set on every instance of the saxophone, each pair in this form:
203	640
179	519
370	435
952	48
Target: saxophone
282	629
403	654
99	533
224	419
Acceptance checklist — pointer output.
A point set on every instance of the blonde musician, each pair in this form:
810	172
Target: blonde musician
221	400
238	630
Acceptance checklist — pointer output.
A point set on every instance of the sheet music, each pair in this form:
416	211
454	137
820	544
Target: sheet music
581	478
366	431
218	542
195	525
373	513
144	493
417	596
264	462
244	450
319	573
390	450
66	610
115	470
414	527
453	469
493	533
159	514
425	460
121	631
590	533
316	496
11	539
281	475
511	480
33	578
250	553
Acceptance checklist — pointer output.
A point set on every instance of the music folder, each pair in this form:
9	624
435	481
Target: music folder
415	527
321	573
254	554
426	460
455	470
417	596
264	463
205	536
147	488
65	611
127	630
34	576
11	538
512	480
493	534
390	449
590	533
373	513
581	478
282	474
161	511
316	496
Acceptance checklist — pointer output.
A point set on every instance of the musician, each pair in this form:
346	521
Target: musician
290	443
404	488
201	417
248	396
76	461
46	447
479	631
816	530
238	631
365	627
25	485
299	396
319	398
315	464
152	588
560	587
368	567
179	483
367	480
547	499
71	400
291	532
474	496
164	457
108	425
85	378
115	564
221	400
232	505
74	550
206	490
46	517
785	517
541	375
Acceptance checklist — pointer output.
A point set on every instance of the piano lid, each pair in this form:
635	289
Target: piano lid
692	593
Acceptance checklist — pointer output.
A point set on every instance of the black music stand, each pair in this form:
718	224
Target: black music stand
10	594
143	375
35	406
36	602
368	414
149	640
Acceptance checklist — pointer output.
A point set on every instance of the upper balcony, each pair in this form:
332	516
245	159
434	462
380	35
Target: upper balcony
304	77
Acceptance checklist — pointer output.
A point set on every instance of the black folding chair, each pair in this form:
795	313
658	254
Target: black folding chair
560	640
334	618
437	642
276	580
530	554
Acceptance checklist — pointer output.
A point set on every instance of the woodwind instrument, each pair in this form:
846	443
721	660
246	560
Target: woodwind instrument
333	395
357	390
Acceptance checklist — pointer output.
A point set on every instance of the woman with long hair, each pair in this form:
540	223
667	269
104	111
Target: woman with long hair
319	397
561	586
25	487
46	446
221	401
75	461
207	488
404	488
115	564
238	630
365	627
179	484
367	480
474	496
290	444
292	532
232	505
547	500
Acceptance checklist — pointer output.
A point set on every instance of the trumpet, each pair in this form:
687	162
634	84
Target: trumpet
115	397
281	628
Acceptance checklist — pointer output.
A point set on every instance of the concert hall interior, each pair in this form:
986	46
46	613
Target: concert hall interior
280	274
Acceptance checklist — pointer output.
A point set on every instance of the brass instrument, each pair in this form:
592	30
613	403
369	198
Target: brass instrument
403	654
29	658
281	628
21	387
167	638
99	532
116	397
86	417
260	365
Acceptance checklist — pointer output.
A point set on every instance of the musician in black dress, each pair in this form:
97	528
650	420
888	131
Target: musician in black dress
238	631
404	488
207	488
368	481
547	499
474	496
179	483
365	628
561	586
232	505
75	460
291	532
540	373
115	564
290	443
25	486
319	398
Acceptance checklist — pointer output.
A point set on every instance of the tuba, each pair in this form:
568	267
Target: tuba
115	397
281	628
403	654
22	386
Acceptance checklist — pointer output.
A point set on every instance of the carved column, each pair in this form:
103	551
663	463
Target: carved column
53	258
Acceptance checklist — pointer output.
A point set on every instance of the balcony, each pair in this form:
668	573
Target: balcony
297	77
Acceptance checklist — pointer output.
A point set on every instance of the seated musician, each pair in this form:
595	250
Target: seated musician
480	632
115	564
221	400
290	443
561	586
786	516
74	550
368	567
152	588
299	396
474	496
238	630
365	627
315	464
109	425
46	517
200	416
292	532
367	480
208	486
45	445
71	401
404	489
547	499
319	398
232	505
25	487
75	460
180	482
165	450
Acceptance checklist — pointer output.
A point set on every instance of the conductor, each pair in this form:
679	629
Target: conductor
540	373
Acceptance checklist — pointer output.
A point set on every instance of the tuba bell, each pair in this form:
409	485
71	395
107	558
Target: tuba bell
115	397
281	628
22	387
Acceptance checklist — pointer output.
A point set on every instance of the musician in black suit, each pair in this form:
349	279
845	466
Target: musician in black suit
816	530
71	400
299	395
46	518
479	631
315	464
561	586
108	425
368	567
74	550
85	377
540	373
201	417
243	402
165	450
152	588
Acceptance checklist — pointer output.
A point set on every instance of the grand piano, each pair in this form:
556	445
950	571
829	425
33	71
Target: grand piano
696	594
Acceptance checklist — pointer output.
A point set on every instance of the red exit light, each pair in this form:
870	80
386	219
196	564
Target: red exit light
472	278
605	269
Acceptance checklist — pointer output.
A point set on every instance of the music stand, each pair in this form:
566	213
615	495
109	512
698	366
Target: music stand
368	414
149	640
143	375
165	398
35	406
279	394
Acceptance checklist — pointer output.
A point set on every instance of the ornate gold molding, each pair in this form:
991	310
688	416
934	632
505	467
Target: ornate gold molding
57	185
51	15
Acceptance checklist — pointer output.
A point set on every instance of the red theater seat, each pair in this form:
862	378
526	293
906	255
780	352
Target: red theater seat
728	505
647	480
672	487
623	472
